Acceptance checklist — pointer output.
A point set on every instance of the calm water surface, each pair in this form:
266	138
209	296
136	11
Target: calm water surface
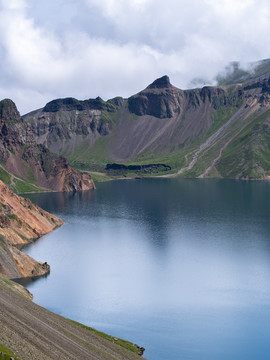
181	267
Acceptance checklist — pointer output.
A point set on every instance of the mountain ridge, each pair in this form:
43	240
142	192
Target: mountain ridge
167	125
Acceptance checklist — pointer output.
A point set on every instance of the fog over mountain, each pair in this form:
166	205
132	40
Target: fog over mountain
89	48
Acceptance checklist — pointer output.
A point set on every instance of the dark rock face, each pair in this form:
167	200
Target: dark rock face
162	100
14	132
9	112
161	83
70	104
63	119
159	105
20	154
118	101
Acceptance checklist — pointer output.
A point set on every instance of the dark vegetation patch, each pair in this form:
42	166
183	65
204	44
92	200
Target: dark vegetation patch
139	169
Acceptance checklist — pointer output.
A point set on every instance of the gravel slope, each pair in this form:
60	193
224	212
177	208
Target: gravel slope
33	332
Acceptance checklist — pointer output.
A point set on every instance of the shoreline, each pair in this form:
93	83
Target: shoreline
21	319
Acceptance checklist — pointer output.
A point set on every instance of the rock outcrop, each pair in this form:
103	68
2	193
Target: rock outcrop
160	99
20	155
21	222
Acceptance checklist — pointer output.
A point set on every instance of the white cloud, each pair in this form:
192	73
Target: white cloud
89	48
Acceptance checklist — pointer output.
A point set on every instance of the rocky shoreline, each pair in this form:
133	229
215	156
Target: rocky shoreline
21	222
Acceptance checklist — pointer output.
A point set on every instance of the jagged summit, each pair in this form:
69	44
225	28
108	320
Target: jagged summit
9	111
161	83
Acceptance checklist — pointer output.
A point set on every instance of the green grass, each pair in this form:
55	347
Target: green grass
85	158
248	151
30	176
177	159
220	117
124	343
4	176
22	186
7	353
110	117
100	177
2	279
13	217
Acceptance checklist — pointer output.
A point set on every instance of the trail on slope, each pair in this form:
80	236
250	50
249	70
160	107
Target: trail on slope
212	140
12	177
215	161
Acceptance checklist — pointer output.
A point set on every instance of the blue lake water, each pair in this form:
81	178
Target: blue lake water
178	266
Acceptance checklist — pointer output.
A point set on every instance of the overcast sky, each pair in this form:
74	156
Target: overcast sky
90	48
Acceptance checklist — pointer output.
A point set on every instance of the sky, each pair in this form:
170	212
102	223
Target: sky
107	48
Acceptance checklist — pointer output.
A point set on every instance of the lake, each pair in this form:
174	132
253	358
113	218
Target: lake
178	266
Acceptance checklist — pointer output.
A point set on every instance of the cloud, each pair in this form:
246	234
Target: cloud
89	48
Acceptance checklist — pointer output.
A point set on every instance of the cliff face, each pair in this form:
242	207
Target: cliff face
65	125
162	100
20	155
21	222
197	132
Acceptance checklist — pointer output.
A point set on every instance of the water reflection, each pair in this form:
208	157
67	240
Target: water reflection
181	267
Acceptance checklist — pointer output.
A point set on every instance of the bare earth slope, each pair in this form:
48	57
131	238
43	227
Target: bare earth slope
32	332
21	222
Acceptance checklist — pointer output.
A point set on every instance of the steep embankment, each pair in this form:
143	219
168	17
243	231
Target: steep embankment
21	222
214	131
27	166
32	332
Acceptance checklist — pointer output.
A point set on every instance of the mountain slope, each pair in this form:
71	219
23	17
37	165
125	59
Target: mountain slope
195	132
32	332
25	165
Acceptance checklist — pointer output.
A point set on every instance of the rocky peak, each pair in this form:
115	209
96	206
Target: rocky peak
9	112
161	83
159	99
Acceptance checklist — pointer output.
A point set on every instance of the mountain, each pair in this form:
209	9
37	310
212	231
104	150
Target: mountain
234	73
27	166
214	131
